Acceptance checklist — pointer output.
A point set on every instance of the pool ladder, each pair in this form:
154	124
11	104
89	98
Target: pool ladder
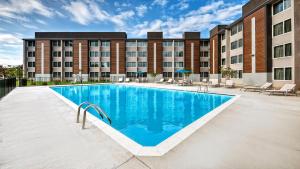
90	105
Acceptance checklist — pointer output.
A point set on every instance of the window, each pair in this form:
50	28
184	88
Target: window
223	49
203	64
240	43
131	54
280	6
105	54
167	74
223	61
204	54
56	43
283	50
282	27
204	43
142	53
31	64
234	30
178	44
56	64
240	58
68	53
167	44
167	64
105	43
142	44
130	44
234	45
105	74
178	64
131	74
167	53
68	43
204	74
288	49
287	26
68	74
94	43
68	64
240	27
94	74
131	64
283	73
178	74
142	64
56	74
278	29
94	53
234	60
105	64
31	54
178	53
94	64
31	43
31	74
278	51
56	54
240	74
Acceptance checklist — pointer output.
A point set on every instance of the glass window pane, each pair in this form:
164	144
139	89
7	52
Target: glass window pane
288	73
278	74
288	49
287	26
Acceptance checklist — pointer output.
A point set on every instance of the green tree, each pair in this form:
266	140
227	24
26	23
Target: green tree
227	72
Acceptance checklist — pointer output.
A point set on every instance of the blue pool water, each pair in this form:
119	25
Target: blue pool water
146	115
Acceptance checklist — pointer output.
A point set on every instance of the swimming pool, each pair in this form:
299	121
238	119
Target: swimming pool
148	116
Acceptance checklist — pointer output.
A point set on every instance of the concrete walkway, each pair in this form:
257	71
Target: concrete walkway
257	131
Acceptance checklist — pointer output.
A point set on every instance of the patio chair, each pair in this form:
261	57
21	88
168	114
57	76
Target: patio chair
127	80
180	83
160	81
170	81
285	90
229	84
214	83
260	89
120	80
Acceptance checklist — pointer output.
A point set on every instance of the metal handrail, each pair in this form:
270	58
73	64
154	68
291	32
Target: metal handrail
79	107
99	110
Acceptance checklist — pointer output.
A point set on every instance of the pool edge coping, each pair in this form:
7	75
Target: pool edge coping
163	147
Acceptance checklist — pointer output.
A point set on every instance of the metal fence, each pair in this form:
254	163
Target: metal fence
7	85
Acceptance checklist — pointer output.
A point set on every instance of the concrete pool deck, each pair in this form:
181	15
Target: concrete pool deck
38	130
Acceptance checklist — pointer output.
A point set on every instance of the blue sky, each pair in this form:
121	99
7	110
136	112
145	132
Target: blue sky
21	18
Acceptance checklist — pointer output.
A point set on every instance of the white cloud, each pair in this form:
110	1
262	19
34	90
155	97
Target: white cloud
87	12
14	9
9	39
10	49
202	19
183	4
160	2
141	10
41	21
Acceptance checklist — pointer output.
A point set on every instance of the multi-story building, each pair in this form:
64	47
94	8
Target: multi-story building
262	46
100	55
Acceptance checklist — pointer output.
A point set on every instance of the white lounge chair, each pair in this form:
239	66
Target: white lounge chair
170	81
285	90
229	84
262	88
180	82
127	80
214	82
120	80
161	80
